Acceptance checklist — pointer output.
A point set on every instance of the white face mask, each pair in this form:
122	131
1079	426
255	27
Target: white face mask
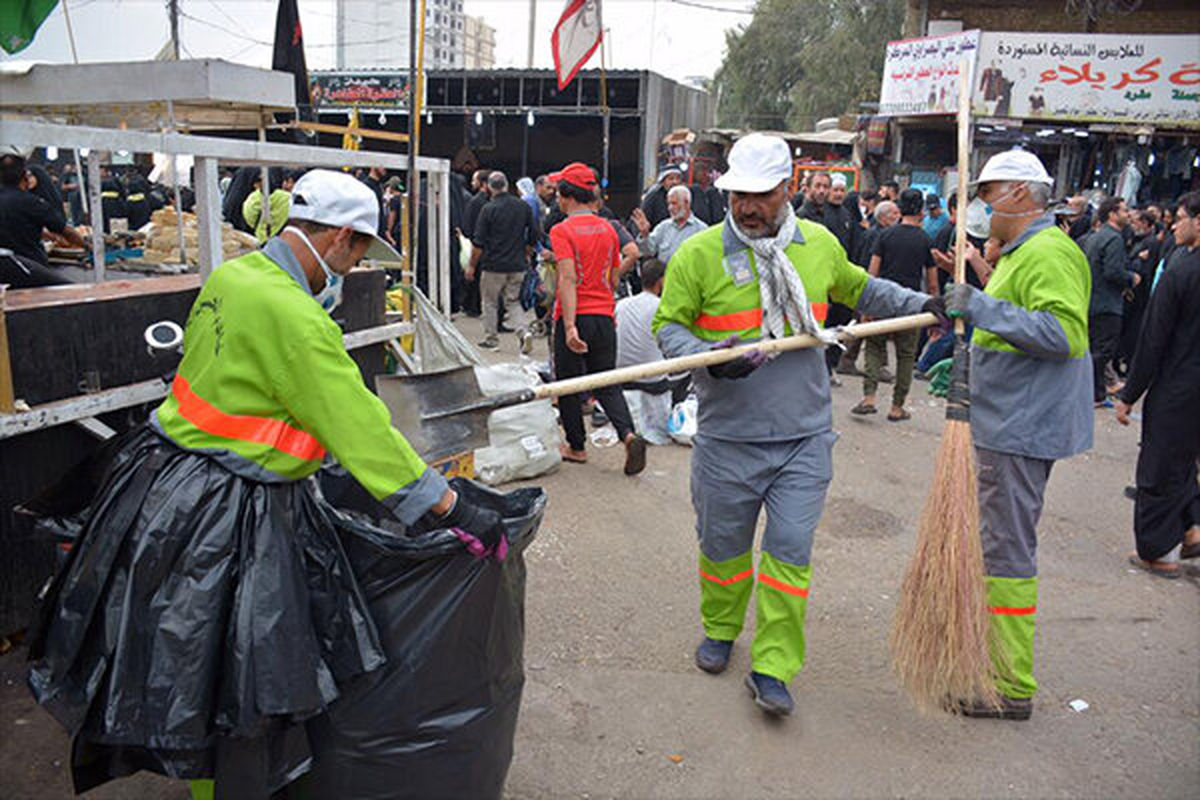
980	213
331	296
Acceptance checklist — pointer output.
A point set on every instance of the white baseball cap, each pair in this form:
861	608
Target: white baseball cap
341	201
1014	165
837	179
758	162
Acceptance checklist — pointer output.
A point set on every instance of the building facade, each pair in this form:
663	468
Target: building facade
479	44
374	33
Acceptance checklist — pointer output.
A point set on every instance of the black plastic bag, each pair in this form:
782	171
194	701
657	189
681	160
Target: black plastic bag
438	719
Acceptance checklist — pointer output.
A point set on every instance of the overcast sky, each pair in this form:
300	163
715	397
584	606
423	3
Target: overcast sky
677	39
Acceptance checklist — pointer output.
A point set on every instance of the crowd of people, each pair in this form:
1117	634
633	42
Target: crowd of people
1072	306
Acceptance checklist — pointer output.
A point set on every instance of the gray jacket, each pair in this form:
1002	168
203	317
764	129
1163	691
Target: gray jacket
1105	251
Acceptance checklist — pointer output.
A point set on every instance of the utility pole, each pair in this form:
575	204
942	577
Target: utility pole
532	27
173	12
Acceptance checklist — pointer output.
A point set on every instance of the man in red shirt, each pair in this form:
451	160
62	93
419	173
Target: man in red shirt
587	253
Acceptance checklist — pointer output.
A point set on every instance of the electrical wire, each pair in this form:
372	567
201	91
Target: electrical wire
707	7
307	46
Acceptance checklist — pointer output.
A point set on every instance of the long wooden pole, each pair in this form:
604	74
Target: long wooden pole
964	164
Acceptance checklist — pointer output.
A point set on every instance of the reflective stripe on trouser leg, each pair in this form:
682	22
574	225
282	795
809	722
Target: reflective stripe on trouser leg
201	789
782	599
1013	606
724	594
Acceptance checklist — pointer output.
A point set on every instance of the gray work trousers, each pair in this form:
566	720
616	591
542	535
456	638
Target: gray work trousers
502	290
1011	489
732	481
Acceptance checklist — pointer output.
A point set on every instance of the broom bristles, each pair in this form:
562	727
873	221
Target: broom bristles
940	641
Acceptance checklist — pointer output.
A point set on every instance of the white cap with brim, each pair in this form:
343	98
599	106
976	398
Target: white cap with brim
341	201
758	162
1014	165
669	170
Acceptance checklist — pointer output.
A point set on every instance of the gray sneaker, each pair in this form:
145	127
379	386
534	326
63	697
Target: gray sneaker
490	342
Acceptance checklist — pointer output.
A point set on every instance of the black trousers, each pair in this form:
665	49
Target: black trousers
1104	335
600	333
25	273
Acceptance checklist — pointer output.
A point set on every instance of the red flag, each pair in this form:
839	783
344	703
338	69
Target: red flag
575	38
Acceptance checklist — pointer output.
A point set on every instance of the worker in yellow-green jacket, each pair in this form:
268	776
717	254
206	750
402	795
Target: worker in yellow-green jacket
246	616
765	430
267	225
1031	399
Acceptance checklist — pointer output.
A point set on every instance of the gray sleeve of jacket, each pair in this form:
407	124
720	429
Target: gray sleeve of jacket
1038	333
675	340
883	298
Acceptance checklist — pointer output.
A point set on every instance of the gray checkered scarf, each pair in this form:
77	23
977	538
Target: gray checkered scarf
779	285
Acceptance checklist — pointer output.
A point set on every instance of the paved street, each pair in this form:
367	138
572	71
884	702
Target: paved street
613	706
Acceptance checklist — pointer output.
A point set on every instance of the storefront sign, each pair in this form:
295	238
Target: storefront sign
920	76
382	90
1089	77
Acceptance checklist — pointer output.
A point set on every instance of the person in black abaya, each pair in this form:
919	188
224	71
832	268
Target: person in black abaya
239	189
1166	368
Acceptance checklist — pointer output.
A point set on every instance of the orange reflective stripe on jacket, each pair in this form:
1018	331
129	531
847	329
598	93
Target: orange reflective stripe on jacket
742	320
274	433
741	576
1013	612
774	583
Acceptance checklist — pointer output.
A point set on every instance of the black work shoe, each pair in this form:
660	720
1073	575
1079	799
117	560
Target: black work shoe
713	655
770	694
1013	708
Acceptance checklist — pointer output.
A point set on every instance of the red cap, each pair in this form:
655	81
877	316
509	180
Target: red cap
577	173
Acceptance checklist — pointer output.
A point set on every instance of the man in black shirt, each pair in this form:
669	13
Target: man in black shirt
23	216
504	237
374	181
471	301
902	254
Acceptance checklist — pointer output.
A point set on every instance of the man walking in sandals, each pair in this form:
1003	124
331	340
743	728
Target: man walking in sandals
764	434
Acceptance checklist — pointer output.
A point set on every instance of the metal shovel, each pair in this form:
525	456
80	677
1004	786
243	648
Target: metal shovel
443	413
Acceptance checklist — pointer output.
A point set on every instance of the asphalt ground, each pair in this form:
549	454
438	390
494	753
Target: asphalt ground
614	707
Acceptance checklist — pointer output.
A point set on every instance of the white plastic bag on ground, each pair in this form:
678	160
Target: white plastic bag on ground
523	440
683	421
650	414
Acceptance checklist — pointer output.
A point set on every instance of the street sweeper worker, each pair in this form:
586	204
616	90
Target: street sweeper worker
764	432
1030	389
247	615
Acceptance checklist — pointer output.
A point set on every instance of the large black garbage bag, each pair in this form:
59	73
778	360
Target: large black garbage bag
199	615
438	719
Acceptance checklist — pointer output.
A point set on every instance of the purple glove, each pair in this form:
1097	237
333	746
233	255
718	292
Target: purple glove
480	529
741	366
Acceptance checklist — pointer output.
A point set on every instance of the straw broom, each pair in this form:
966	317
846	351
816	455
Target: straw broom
940	634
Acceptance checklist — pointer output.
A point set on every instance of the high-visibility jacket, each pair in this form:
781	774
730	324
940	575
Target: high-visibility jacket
714	293
711	292
1031	377
281	206
266	386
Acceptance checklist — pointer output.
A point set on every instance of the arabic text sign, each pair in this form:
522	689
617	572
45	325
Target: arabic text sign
362	89
920	76
1090	77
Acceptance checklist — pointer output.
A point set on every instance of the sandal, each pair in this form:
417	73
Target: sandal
1148	566
903	415
862	409
574	456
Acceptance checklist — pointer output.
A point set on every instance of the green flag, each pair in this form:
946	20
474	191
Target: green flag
19	21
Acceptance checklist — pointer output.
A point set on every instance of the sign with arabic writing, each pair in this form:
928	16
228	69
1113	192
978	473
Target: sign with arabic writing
1089	77
367	89
920	76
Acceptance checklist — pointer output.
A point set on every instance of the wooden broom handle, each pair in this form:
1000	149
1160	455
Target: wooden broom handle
655	369
964	161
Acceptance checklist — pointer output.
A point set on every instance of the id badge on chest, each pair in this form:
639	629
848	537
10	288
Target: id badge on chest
737	266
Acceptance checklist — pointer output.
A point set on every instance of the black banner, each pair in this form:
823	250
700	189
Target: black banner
369	90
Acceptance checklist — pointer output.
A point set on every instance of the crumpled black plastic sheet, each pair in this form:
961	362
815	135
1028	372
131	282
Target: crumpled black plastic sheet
246	635
437	721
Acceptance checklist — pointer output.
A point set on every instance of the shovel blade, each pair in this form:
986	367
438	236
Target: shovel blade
412	399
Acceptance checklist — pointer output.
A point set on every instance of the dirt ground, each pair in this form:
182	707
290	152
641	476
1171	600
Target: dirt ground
614	708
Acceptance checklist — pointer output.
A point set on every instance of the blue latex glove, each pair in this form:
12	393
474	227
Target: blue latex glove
480	529
741	366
